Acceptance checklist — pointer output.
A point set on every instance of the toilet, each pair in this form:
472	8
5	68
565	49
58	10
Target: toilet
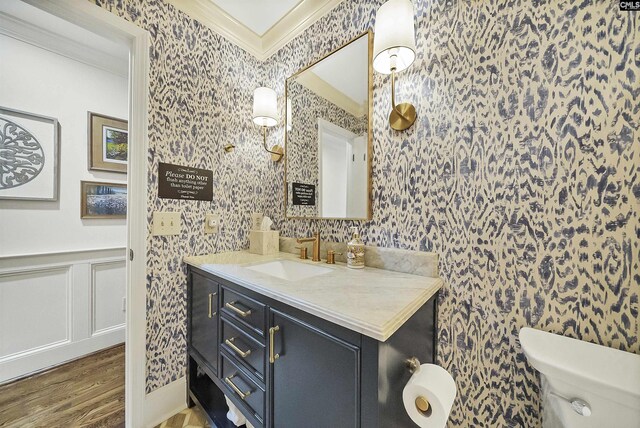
584	385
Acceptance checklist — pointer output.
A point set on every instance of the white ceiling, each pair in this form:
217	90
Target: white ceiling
347	70
37	27
261	27
257	15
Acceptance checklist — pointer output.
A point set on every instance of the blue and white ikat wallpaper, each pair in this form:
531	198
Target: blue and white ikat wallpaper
522	171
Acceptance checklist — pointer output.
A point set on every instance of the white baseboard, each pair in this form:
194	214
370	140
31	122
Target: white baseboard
55	355
161	404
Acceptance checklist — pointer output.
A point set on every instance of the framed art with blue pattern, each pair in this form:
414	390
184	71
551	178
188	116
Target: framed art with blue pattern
29	147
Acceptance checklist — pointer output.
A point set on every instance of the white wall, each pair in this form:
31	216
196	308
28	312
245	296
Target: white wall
38	81
60	298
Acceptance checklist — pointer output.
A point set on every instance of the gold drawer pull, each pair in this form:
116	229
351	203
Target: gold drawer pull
237	390
272	332
237	310
232	345
211	313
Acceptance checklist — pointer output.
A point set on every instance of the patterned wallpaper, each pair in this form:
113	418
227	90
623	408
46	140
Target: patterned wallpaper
200	97
302	144
522	172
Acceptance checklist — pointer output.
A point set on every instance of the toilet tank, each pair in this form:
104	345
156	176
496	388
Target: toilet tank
604	380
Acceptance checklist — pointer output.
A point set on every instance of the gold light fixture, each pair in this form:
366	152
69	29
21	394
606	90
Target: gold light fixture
265	114
394	50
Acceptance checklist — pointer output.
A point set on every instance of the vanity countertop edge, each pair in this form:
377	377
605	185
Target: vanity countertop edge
370	301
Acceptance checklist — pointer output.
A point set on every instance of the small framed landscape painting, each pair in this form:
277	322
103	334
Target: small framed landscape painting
103	200
108	143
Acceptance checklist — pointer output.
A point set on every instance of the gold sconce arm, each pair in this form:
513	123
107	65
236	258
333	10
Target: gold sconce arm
403	115
277	152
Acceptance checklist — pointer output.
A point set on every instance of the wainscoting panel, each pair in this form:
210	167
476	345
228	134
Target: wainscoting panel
108	282
59	306
34	310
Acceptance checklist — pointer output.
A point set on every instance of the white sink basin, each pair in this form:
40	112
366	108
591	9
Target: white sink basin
289	270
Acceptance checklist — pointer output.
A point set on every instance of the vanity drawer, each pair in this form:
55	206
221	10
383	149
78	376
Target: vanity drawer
247	350
245	310
240	385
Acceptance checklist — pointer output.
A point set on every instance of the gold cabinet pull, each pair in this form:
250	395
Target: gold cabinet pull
211	313
272	332
237	310
232	345
237	390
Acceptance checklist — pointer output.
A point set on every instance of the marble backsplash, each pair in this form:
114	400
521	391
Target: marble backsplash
395	259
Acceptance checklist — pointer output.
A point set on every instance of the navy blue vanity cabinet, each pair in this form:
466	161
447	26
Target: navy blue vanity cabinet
203	319
286	368
315	376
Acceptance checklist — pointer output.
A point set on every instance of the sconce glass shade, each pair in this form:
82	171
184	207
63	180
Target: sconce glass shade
289	115
265	107
394	36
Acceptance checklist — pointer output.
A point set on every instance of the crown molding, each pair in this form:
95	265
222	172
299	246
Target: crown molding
305	14
323	89
222	23
262	47
28	33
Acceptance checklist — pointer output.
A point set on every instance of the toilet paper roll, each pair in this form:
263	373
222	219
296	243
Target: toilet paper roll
435	384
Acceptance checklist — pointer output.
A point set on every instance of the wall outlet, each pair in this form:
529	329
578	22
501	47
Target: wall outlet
212	223
166	223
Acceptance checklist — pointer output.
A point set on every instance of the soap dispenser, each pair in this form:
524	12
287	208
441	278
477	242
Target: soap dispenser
355	250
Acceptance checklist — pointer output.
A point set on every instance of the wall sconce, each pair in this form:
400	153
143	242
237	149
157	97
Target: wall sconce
265	114
394	49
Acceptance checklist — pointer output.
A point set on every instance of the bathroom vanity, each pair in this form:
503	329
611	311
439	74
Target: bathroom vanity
294	343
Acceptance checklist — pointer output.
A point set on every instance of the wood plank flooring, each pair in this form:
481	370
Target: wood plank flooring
88	392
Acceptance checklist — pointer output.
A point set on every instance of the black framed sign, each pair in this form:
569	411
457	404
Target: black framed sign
183	182
303	194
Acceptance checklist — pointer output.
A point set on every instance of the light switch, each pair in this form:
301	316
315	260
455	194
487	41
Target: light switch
212	223
166	223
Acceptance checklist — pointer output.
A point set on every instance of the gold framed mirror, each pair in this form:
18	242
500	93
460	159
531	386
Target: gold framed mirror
328	135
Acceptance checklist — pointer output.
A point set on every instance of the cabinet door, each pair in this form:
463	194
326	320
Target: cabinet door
204	318
315	379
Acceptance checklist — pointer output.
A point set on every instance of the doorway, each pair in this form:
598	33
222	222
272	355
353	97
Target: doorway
136	41
342	172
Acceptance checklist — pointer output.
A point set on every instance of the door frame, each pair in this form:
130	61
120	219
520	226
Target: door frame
102	22
324	126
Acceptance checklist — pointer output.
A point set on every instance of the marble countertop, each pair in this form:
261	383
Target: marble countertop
370	301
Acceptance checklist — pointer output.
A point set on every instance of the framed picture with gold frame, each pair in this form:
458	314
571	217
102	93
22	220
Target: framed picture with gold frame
108	143
103	200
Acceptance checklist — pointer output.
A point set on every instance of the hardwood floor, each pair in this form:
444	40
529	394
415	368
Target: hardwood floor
88	392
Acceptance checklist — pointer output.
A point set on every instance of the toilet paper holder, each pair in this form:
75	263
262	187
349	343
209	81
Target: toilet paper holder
413	364
421	402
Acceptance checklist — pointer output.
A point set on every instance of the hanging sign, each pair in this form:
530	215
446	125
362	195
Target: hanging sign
303	194
183	182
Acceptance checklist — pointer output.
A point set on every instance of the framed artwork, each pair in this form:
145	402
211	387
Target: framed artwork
108	143
103	200
29	147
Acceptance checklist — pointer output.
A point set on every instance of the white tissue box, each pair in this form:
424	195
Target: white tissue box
264	241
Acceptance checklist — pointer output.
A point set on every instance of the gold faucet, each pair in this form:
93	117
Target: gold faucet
316	245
